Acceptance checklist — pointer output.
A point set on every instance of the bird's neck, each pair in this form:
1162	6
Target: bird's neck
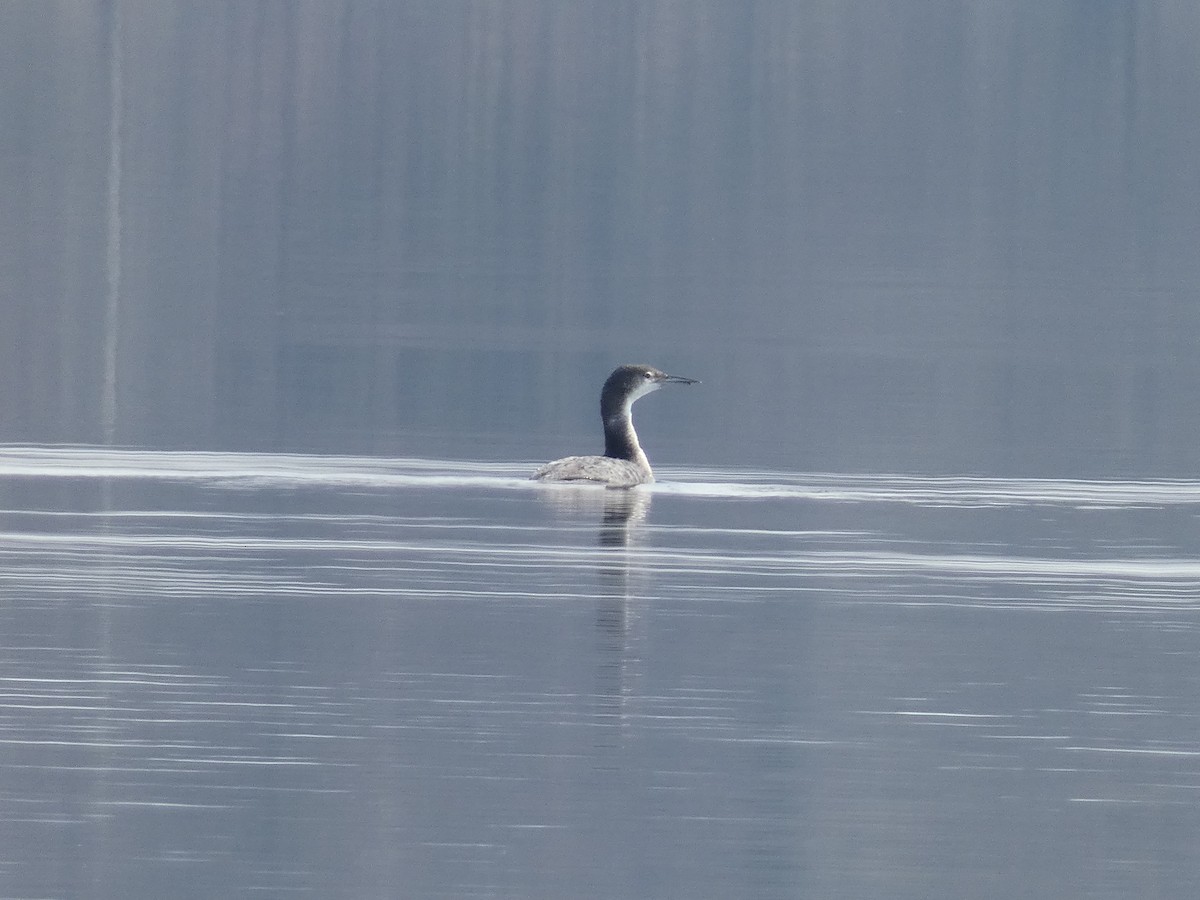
621	441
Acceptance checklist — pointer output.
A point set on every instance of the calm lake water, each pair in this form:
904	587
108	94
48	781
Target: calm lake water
294	296
268	675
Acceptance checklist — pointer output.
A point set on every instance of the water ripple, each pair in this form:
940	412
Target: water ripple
249	470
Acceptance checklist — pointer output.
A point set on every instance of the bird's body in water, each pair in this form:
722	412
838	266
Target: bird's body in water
624	463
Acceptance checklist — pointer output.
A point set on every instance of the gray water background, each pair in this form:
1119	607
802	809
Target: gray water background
935	237
305	289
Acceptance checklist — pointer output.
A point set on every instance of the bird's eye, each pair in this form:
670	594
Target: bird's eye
649	374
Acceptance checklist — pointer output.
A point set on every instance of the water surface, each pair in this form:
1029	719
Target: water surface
912	611
238	674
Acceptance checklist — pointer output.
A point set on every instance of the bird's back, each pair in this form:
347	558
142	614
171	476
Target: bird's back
595	469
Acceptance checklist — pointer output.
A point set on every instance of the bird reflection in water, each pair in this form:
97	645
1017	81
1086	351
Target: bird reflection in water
619	512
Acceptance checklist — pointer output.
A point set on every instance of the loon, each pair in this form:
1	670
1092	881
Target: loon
624	463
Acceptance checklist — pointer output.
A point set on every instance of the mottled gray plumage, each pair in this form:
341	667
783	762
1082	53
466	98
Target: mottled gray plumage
624	463
601	469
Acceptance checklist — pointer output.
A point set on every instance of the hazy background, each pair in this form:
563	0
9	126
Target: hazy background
896	240
929	236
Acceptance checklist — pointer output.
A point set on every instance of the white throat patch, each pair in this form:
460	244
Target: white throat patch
646	387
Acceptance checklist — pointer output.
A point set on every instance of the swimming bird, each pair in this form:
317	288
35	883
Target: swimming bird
624	463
